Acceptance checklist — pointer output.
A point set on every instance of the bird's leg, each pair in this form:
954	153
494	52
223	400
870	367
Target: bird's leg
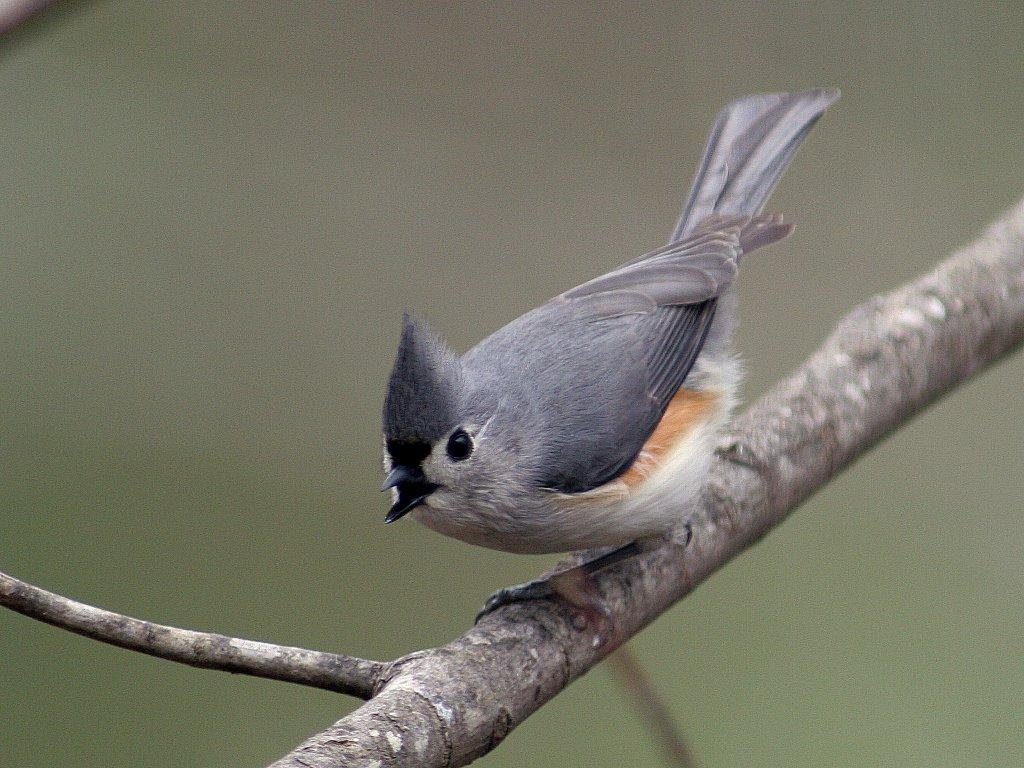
574	585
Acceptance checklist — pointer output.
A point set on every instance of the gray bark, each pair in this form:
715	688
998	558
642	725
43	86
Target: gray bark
208	650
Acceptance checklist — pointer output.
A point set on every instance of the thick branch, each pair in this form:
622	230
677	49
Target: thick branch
332	671
885	362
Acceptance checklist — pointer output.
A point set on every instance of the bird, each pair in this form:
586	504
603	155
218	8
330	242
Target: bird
588	422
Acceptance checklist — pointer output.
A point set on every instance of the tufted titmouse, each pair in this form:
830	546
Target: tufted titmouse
588	421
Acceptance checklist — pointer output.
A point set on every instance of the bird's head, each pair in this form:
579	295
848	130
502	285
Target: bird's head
436	449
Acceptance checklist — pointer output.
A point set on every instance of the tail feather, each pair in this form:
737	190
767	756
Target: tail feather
751	143
764	230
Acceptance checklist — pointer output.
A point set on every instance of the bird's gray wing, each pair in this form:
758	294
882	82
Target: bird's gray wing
650	318
587	376
603	390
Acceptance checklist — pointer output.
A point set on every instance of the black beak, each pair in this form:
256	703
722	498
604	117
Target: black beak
413	490
402	474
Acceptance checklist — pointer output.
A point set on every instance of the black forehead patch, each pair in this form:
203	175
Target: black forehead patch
411	453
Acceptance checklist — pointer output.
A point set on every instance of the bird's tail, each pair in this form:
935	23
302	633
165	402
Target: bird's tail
751	143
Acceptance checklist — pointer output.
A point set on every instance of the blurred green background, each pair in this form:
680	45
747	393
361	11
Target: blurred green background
212	216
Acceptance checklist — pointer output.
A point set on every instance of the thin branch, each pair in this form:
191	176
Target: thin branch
651	707
332	671
885	362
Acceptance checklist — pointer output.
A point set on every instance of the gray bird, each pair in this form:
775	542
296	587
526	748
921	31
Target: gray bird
589	421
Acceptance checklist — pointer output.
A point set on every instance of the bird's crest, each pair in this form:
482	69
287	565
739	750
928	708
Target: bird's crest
423	392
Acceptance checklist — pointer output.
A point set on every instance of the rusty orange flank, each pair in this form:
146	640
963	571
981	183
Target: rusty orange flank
687	409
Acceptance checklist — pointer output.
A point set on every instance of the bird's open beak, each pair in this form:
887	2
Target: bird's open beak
413	489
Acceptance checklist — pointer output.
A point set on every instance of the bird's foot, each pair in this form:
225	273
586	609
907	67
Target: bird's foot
575	587
520	593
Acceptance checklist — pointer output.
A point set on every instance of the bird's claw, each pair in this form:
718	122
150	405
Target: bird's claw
531	590
574	587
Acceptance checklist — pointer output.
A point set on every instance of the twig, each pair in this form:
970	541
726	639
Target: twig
332	671
653	710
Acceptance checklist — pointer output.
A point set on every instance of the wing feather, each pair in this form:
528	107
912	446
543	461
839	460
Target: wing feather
692	270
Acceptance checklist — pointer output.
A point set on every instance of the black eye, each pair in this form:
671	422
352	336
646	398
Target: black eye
460	445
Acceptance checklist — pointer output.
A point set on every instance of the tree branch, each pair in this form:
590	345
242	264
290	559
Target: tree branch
335	672
885	361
